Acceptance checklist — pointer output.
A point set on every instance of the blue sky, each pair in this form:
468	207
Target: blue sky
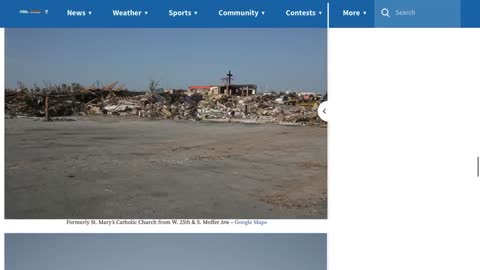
165	251
284	59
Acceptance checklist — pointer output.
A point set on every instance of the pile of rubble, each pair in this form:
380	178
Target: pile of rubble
269	107
260	108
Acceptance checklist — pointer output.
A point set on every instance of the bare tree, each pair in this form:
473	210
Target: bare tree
153	85
21	85
36	88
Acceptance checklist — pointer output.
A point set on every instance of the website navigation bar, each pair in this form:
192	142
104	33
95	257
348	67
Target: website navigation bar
166	13
237	13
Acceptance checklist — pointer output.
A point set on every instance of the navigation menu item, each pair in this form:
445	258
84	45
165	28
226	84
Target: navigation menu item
78	13
302	13
129	13
181	13
240	13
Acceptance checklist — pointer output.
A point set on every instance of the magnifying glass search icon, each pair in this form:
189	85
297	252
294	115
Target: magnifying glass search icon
385	12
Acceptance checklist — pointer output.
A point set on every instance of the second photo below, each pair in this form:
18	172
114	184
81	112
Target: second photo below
166	251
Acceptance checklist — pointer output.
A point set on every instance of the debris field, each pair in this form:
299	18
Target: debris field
281	108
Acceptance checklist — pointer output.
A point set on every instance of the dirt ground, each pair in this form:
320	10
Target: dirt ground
112	167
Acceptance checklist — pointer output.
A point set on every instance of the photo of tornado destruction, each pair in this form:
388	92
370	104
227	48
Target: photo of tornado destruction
165	251
216	123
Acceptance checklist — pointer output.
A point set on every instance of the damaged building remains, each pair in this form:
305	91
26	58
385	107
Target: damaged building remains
223	103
